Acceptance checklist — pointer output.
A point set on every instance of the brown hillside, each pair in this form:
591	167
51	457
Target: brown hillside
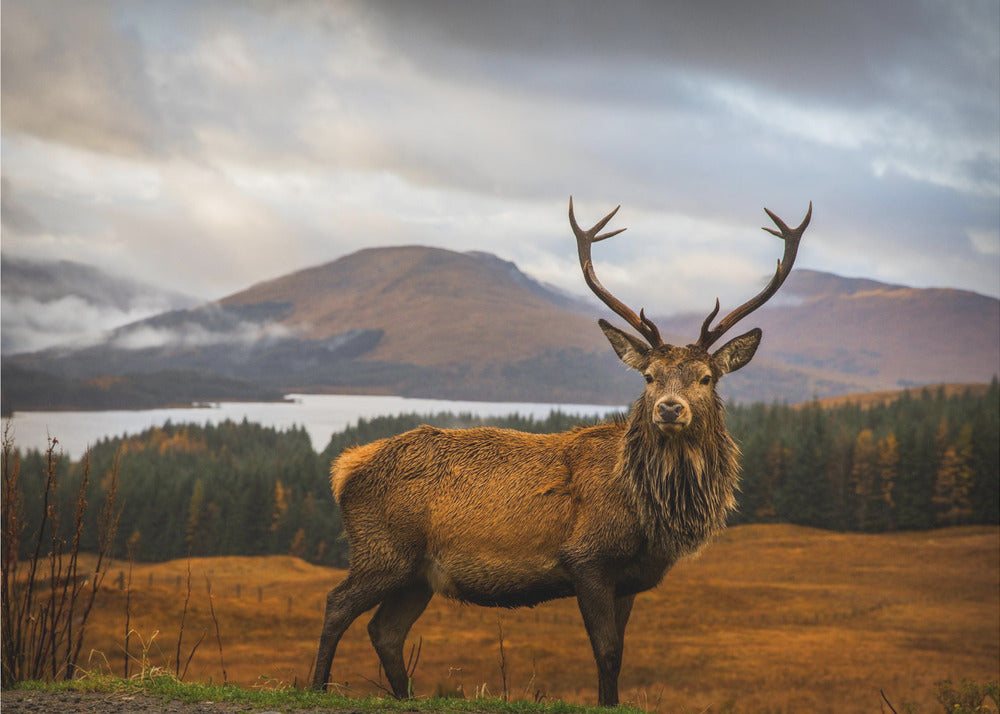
437	307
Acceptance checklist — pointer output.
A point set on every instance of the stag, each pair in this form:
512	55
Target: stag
507	519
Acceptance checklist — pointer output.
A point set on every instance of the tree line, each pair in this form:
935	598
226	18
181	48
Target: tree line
922	461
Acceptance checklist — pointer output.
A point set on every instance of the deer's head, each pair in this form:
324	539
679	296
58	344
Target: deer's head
680	381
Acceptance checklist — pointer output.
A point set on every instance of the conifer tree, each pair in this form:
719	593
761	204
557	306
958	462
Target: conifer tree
864	471
279	509
954	481
194	533
777	463
888	474
299	544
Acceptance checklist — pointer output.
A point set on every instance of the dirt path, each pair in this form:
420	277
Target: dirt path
40	702
37	702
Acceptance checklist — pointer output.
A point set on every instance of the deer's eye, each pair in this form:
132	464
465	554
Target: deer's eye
649	378
706	380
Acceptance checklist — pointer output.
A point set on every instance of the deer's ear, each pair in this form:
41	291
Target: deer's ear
630	350
737	352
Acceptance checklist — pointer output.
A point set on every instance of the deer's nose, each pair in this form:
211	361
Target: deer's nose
670	410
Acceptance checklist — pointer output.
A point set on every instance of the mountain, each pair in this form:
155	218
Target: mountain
434	307
830	332
47	303
409	320
435	323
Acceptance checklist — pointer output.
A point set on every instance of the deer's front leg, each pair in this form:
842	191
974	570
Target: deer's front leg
596	598
623	608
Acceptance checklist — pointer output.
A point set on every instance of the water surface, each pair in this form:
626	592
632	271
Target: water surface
320	414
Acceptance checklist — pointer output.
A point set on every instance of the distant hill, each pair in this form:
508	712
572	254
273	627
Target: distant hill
46	303
866	400
836	332
429	322
25	390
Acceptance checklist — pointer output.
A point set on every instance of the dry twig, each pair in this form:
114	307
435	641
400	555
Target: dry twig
218	634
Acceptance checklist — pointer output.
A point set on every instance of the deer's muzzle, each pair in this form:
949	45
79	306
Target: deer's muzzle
671	414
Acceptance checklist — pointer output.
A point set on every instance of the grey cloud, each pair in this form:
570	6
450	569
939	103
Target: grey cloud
930	65
70	75
819	49
49	303
30	324
278	135
631	110
194	335
14	215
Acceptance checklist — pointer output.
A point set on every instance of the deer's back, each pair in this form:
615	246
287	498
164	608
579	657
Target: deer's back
491	515
473	470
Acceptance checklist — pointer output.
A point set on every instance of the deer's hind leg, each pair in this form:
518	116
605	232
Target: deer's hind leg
343	606
363	589
389	627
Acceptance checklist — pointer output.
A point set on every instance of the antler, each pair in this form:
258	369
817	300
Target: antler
791	236
584	239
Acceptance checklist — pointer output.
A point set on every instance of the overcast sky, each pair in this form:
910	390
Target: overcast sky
205	146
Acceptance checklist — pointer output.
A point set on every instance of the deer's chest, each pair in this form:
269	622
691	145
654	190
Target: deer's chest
643	571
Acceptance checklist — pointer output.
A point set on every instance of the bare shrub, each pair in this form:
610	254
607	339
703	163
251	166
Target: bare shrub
46	599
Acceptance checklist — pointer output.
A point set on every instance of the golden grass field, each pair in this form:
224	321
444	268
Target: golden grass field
768	618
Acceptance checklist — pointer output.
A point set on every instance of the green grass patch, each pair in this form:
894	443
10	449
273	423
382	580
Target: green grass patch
284	698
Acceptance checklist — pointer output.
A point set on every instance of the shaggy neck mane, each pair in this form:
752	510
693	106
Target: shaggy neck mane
683	484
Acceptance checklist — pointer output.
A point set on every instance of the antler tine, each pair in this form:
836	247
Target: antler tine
584	239
591	235
791	236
